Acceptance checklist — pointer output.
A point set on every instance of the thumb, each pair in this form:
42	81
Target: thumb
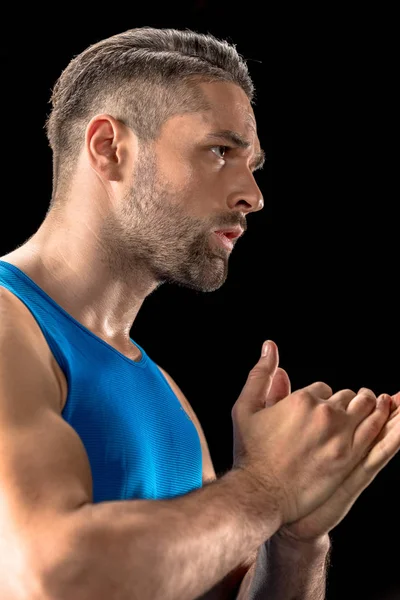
280	387
259	381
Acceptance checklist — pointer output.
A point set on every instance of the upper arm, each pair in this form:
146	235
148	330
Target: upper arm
208	467
44	469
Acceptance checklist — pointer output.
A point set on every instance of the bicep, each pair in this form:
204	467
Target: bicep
44	469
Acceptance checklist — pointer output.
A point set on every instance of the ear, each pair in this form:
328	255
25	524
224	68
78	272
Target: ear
109	147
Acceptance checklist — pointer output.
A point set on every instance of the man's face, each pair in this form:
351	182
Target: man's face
192	182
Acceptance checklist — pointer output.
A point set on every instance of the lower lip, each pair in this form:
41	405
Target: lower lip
223	240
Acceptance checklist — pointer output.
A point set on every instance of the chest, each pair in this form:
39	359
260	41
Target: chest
139	440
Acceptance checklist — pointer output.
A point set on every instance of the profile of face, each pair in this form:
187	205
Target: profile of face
196	178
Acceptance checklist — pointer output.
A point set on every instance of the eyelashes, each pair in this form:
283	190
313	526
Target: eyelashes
225	149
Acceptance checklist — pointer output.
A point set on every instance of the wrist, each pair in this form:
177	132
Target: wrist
291	545
263	501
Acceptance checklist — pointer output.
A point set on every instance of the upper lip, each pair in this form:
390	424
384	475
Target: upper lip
231	232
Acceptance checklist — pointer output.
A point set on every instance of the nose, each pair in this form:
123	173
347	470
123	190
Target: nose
247	197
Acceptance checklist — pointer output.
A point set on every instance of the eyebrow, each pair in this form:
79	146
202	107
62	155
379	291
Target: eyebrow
240	142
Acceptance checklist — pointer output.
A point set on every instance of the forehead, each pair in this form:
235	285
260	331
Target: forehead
228	108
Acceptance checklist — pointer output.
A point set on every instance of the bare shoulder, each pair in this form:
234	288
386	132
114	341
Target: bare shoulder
22	341
45	473
16	321
14	313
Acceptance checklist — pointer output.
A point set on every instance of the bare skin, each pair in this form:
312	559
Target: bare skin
136	218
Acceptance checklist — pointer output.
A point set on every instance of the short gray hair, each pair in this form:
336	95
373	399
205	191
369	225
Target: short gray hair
141	77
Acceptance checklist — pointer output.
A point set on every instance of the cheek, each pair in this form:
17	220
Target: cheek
212	188
193	184
174	171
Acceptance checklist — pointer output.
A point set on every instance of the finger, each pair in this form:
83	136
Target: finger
342	398
370	427
386	446
394	413
362	405
259	381
280	387
319	390
394	406
396	401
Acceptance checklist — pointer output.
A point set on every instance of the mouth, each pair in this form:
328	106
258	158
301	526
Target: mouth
232	233
223	240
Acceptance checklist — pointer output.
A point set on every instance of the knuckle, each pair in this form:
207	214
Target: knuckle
258	372
365	390
302	397
319	384
326	410
367	396
327	417
324	386
235	411
339	450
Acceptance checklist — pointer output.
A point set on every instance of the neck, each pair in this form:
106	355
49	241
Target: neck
72	264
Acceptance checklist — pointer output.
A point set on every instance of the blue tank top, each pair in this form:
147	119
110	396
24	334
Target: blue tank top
140	442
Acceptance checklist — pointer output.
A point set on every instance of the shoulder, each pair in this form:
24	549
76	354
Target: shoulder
14	314
23	343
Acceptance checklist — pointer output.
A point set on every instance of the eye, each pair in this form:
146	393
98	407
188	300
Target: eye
222	149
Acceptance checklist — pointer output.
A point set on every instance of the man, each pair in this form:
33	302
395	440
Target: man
108	488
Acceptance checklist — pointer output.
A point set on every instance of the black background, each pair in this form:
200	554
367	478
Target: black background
317	270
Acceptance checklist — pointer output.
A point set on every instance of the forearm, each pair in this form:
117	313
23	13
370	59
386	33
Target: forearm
163	549
228	588
287	571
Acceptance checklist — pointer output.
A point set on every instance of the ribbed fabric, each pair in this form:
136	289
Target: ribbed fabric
139	440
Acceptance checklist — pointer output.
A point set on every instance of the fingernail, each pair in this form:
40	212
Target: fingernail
383	399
